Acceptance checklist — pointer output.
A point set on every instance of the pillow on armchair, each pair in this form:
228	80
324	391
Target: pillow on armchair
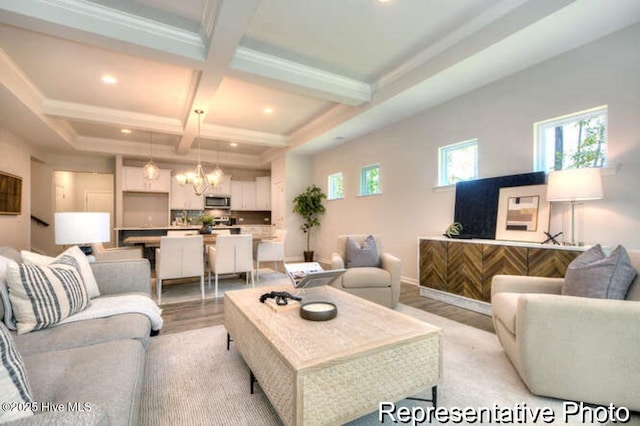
594	274
362	256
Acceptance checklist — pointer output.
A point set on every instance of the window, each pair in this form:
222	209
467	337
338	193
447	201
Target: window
335	187
572	141
370	180
458	162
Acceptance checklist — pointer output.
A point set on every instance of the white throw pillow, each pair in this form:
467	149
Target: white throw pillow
42	296
78	255
4	294
14	386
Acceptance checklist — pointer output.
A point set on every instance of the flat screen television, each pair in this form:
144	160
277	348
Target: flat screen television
10	194
476	205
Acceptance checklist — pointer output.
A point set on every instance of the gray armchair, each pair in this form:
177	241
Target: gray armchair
380	285
573	348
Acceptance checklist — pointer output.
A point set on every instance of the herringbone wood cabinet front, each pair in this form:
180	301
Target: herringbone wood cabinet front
466	268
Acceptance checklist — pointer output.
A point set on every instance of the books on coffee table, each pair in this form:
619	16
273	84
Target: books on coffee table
310	274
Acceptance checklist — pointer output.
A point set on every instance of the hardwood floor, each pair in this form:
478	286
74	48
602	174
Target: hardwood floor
191	315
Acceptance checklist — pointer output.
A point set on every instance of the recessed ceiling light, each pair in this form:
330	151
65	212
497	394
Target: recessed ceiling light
268	110
126	131
384	1
109	79
233	144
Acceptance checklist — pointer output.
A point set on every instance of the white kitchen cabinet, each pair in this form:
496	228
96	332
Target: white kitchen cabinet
184	197
224	188
243	195
263	193
135	182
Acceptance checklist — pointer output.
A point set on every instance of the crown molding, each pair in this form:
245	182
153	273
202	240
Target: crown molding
95	18
109	116
324	84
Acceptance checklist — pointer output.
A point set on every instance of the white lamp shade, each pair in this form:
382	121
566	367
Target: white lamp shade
575	185
82	228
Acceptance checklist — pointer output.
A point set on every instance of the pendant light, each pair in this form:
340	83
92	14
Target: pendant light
200	179
216	177
150	171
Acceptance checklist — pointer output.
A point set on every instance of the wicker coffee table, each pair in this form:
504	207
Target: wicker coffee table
333	371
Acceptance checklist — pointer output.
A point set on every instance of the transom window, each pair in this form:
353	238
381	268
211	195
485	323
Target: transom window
336	191
370	180
458	162
572	141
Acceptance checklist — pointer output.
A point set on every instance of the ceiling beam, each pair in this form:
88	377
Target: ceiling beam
302	78
83	17
232	19
164	153
154	123
111	117
25	92
234	134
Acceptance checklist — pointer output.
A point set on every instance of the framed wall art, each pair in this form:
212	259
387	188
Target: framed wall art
523	213
10	194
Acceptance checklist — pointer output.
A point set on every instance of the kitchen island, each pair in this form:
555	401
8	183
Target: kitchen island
148	231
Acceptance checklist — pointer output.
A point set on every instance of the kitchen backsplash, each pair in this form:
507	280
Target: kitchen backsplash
242	217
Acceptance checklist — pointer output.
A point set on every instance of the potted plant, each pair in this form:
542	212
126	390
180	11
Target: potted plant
309	206
207	222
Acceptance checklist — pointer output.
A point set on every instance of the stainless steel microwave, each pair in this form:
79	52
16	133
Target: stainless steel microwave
217	202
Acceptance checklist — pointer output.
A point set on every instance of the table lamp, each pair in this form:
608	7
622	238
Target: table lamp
572	186
82	228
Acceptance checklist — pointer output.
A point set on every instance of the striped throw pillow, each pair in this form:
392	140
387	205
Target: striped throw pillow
14	386
42	296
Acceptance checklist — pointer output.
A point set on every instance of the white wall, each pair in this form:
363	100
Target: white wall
297	178
15	158
501	116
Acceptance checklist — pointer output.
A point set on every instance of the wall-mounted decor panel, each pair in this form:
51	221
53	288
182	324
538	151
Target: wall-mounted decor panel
10	194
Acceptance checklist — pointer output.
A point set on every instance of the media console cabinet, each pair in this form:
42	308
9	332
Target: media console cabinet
460	271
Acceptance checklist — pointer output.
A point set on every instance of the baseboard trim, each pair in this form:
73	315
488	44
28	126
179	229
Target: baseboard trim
454	299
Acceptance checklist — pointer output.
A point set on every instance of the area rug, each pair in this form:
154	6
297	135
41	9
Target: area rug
192	379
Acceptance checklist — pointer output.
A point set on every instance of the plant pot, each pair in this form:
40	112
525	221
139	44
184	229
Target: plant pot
308	256
206	229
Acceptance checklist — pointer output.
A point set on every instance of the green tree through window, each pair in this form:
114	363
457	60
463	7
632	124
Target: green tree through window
370	180
335	186
574	141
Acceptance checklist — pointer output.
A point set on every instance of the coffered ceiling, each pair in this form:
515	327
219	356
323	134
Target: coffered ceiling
270	75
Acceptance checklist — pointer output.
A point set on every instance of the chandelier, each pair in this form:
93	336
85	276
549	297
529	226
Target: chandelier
150	171
200	180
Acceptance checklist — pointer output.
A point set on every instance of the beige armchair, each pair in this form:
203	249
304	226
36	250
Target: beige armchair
380	285
103	254
573	348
